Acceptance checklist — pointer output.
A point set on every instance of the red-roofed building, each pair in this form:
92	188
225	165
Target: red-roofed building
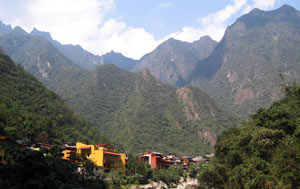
154	159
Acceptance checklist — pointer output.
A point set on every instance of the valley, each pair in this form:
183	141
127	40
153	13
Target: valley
237	98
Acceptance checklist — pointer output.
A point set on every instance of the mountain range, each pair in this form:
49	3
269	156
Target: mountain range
177	98
244	70
86	59
132	109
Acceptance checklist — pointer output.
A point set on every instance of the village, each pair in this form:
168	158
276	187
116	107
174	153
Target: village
104	156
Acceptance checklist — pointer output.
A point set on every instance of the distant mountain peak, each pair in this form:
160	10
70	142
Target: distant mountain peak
204	40
4	28
260	18
206	37
19	30
47	35
171	40
2	24
286	8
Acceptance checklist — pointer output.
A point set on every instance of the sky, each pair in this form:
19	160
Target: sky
132	27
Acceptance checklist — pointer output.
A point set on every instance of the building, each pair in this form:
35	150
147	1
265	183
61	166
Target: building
156	160
186	160
39	146
69	151
103	156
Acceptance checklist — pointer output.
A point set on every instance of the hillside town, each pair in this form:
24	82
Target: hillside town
104	156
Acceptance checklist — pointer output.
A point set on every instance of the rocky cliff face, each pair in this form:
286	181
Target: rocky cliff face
246	66
172	62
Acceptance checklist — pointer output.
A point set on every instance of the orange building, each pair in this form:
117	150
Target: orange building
103	156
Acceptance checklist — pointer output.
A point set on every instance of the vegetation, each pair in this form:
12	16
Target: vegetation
142	114
170	175
139	173
263	153
31	113
32	169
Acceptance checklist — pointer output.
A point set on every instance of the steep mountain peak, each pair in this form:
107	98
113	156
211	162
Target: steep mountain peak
19	30
286	8
171	39
171	42
205	38
112	53
247	62
259	18
205	43
4	28
47	35
118	59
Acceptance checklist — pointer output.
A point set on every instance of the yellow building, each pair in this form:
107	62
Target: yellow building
102	156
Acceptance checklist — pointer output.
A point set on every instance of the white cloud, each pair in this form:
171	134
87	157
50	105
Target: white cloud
261	4
85	23
82	22
264	4
213	24
69	21
132	42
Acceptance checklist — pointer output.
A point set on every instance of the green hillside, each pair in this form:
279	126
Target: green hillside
136	110
41	59
32	113
263	153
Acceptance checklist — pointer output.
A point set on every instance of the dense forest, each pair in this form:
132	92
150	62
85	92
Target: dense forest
263	153
143	114
31	113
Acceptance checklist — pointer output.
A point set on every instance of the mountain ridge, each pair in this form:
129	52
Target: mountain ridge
173	60
248	61
85	59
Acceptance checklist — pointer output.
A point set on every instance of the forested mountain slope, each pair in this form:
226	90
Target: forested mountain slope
40	58
263	153
136	110
32	113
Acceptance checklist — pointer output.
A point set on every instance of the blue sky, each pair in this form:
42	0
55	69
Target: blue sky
132	27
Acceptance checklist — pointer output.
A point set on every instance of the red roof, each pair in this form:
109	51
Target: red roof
100	145
112	153
44	144
85	148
